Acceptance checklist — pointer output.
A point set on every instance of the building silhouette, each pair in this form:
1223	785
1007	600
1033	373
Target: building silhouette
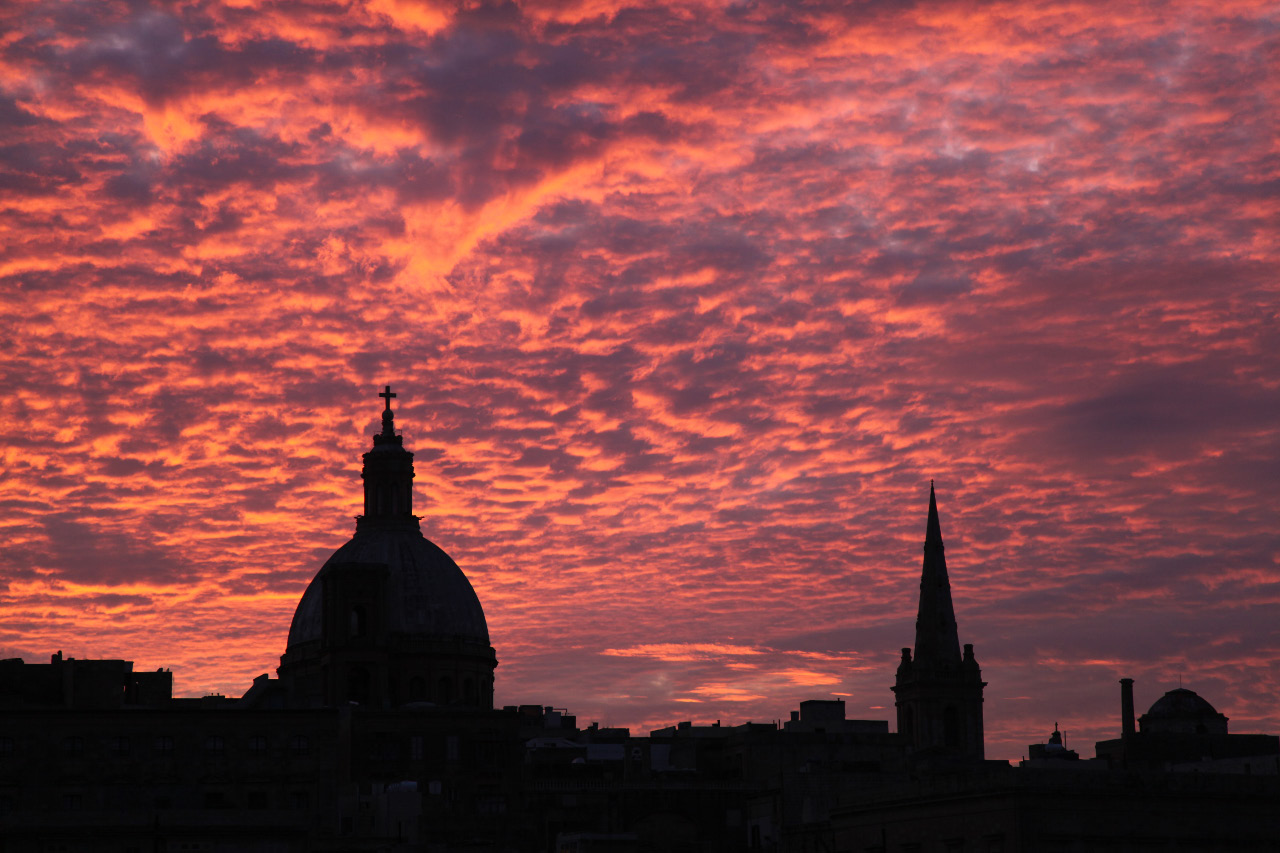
939	691
390	619
380	734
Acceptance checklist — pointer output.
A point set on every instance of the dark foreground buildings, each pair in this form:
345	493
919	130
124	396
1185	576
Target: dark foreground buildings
380	735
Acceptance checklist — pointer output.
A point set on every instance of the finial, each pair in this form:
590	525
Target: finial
388	416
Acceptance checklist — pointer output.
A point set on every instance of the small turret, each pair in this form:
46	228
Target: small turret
905	667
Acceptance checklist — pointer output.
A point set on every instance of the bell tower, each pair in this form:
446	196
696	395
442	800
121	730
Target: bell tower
939	690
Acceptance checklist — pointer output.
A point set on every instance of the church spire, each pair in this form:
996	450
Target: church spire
937	639
388	477
939	693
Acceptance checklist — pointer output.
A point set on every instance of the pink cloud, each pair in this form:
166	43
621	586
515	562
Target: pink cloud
685	306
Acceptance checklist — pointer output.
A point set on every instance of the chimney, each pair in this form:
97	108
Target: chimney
1126	708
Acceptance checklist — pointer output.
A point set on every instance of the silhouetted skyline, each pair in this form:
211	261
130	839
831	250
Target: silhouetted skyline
381	731
684	307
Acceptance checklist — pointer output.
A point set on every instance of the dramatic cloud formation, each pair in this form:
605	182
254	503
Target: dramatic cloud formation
685	306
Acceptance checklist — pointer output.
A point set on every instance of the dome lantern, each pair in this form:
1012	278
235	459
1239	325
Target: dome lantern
388	478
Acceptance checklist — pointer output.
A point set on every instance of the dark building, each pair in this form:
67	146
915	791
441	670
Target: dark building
939	690
1182	731
390	619
380	735
1180	783
1052	751
82	684
1071	809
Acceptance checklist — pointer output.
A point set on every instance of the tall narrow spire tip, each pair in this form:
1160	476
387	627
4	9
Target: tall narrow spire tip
933	530
937	641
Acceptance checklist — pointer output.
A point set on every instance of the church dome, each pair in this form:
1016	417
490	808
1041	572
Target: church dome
425	594
389	619
1183	711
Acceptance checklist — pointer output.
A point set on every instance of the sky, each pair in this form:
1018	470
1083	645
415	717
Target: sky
685	305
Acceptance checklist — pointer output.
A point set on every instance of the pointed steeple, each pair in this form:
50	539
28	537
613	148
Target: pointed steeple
388	478
937	640
939	693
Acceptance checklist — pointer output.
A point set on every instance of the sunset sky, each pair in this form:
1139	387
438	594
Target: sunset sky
684	307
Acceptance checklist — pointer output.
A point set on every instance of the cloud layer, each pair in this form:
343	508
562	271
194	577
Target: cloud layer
685	306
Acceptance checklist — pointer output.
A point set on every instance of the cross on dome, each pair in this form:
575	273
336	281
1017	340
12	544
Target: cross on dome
388	419
388	395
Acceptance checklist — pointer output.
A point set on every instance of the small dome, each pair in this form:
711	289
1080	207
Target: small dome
1183	711
1180	702
426	595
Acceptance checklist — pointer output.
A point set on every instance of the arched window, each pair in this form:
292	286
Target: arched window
358	625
